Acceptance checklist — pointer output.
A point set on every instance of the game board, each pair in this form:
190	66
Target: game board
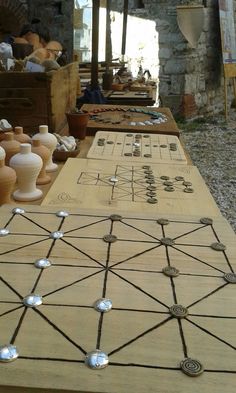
149	148
129	118
150	298
135	187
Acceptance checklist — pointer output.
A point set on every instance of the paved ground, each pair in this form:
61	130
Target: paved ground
211	144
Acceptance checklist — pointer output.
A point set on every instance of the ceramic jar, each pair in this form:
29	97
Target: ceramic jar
10	145
44	153
27	166
50	141
20	136
7	179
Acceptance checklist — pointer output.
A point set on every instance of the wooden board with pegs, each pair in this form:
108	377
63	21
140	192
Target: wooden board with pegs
151	298
148	148
136	187
129	118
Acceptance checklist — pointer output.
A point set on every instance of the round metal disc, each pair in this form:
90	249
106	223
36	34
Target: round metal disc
163	221
18	210
189	190
62	213
96	360
206	220
218	246
8	353
168	183
170	271
151	188
109	238
103	305
179	178
113	179
191	367
167	241
152	200
56	235
169	188
42	263
165	177
230	277
187	183
33	300
151	194
178	311
4	232
146	167
115	217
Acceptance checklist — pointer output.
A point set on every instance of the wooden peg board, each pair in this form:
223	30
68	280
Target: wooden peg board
87	183
152	148
143	335
118	118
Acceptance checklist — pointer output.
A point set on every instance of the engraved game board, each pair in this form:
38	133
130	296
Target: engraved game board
126	186
119	117
148	148
171	281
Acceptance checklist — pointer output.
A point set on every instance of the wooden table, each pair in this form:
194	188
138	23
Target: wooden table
119	117
163	322
127	97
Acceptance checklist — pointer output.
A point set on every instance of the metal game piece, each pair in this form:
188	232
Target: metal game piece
187	183
163	221
33	300
189	190
170	271
113	179
165	177
179	178
103	305
230	277
218	246
191	367
18	210
169	188
110	238
56	235
206	220
4	232
96	359
42	263
62	213
152	200
178	311
8	353
167	241
115	217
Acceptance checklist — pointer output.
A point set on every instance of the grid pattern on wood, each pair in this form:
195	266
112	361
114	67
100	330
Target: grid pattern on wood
141	331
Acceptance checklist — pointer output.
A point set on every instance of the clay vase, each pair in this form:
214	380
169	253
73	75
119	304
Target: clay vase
50	141
7	179
44	153
10	145
27	166
77	123
20	136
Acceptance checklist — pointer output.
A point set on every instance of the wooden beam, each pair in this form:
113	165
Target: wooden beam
95	40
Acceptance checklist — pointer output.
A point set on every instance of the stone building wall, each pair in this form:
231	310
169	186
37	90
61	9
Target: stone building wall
191	80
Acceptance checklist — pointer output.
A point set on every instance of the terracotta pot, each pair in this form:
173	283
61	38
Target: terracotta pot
44	153
10	145
77	123
20	136
7	179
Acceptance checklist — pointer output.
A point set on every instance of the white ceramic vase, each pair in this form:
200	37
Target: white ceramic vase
27	166
50	141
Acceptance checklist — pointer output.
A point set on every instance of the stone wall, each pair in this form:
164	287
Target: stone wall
190	79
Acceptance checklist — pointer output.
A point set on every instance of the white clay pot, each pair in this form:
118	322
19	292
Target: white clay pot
27	166
50	141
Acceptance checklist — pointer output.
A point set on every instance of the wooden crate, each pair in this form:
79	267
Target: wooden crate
145	337
87	183
34	98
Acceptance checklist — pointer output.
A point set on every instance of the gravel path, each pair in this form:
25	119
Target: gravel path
211	144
